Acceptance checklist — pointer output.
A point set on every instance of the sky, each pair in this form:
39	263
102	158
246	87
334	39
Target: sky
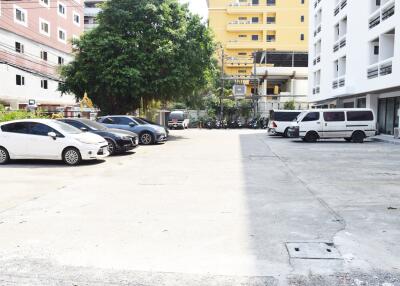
198	7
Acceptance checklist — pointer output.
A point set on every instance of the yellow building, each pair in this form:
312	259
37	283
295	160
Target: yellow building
246	26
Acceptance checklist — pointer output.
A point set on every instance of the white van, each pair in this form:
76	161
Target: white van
178	119
280	121
353	124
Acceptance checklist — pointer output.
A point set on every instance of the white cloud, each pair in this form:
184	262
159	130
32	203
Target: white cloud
198	7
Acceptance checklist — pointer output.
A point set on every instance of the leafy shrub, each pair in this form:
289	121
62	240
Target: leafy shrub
6	115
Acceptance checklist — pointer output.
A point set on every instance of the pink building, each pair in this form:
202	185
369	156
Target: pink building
35	39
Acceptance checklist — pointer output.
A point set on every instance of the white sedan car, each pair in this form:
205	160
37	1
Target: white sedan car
49	139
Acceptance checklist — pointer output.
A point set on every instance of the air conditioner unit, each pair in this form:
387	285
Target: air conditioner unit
397	133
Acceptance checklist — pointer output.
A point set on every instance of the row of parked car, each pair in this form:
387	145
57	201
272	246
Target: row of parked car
74	139
354	124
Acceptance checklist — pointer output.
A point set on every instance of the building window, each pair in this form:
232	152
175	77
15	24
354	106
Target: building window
271	20
254	37
271	2
376	50
242	36
62	9
44	27
242	54
302	18
271	38
302	37
254	20
60	60
20	16
302	1
43	55
19	80
242	71
19	48
62	36
45	3
43	83
77	19
242	18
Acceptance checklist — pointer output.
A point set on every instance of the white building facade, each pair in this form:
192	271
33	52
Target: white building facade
35	41
354	57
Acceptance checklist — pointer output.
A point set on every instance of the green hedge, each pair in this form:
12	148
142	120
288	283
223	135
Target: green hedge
18	114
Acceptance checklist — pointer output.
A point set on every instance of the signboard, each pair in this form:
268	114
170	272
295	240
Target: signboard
31	102
239	91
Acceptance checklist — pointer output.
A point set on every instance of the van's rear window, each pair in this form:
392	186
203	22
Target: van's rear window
284	116
360	116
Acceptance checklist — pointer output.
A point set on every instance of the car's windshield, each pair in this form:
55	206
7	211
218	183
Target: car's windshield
141	121
66	128
93	124
176	115
284	116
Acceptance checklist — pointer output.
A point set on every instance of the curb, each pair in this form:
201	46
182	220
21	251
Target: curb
393	141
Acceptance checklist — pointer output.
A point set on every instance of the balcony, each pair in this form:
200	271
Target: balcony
92	12
341	43
316	2
340	7
380	69
237	44
317	30
242	26
90	26
243	8
382	14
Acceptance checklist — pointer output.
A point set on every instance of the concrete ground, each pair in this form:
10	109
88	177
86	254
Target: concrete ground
209	207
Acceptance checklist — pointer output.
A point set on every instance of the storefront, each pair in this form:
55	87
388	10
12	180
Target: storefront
388	114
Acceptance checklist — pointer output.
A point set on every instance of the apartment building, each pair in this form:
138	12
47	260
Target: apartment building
243	27
35	40
355	57
92	9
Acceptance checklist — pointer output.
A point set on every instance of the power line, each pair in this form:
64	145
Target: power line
27	35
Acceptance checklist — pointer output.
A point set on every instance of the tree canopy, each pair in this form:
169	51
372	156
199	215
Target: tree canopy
142	50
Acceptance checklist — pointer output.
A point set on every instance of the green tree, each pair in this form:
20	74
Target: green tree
142	50
290	105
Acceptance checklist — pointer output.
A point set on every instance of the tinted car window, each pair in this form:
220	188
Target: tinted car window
285	116
312	116
18	127
360	116
40	129
334	116
75	123
118	120
177	116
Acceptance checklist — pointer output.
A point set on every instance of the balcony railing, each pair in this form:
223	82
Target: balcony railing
375	21
317	60
388	13
382	14
339	7
317	30
341	43
380	69
316	3
339	82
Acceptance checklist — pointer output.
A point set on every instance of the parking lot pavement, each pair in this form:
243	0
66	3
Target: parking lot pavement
209	207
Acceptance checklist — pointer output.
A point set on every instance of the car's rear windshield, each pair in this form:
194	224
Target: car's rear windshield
93	124
284	116
66	128
176	115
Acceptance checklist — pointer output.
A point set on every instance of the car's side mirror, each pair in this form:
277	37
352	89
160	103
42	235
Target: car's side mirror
131	124
84	129
52	135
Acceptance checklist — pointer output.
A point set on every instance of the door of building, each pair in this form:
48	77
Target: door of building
387	114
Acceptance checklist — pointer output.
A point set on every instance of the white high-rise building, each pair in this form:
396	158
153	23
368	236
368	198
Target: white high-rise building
354	57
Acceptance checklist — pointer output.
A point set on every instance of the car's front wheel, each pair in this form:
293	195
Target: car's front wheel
111	147
146	138
72	156
4	156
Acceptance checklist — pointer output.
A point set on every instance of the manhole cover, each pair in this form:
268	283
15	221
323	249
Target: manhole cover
312	250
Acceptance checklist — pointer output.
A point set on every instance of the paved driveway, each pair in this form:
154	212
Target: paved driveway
209	207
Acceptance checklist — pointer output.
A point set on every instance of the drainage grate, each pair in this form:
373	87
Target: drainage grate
312	250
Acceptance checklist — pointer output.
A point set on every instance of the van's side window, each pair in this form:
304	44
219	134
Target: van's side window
334	116
312	116
360	116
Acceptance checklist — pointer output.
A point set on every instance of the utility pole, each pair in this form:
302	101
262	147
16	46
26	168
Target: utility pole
255	86
222	85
